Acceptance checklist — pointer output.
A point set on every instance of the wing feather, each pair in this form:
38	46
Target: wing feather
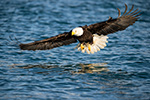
130	10
114	25
52	42
119	12
125	10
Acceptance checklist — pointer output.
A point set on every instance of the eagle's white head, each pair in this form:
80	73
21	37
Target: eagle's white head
78	31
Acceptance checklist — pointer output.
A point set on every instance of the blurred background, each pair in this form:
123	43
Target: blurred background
120	71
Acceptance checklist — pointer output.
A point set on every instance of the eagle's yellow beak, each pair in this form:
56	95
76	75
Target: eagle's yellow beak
72	33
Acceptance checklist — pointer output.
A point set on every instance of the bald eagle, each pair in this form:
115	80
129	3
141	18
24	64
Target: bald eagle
91	38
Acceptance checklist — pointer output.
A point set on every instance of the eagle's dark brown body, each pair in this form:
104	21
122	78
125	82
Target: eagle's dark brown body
101	28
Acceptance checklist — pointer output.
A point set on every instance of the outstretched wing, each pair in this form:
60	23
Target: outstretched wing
52	42
114	25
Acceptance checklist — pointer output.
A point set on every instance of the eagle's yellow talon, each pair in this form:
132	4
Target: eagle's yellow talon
82	47
89	47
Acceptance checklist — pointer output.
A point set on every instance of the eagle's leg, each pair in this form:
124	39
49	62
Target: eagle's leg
89	47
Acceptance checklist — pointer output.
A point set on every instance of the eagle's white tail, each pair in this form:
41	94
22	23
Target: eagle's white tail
99	42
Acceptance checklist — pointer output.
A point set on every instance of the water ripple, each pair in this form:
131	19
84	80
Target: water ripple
119	72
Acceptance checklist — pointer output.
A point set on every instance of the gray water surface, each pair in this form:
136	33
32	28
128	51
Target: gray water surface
120	71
